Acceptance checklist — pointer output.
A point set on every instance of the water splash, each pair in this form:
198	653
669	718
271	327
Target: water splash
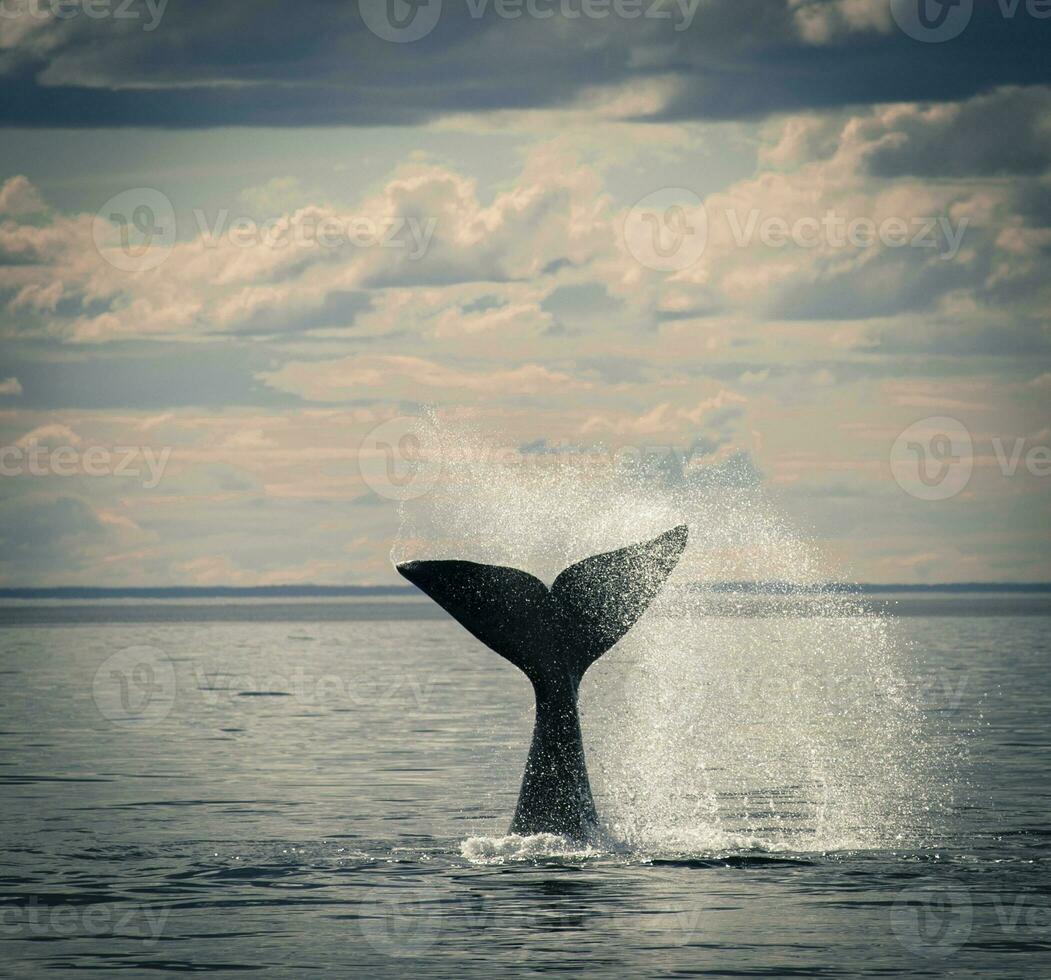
516	847
767	718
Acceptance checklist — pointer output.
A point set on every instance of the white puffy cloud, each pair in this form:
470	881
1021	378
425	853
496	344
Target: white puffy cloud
840	223
426	227
54	435
826	21
19	197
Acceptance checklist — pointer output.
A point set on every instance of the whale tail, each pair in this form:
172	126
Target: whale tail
553	635
588	608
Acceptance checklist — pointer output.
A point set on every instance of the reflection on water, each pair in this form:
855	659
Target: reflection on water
323	796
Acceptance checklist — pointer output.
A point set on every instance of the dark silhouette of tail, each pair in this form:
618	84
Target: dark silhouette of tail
553	635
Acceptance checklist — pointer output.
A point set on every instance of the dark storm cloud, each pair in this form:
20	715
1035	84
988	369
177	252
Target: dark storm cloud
314	62
774	73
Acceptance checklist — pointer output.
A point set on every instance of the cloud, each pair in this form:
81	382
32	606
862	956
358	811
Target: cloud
1005	132
52	436
514	318
415	379
279	195
316	268
716	414
991	338
827	22
512	297
220	570
724	59
966	245
10	386
19	197
44	524
545	255
56	539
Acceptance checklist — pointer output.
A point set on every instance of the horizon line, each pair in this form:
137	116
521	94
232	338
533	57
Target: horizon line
320	591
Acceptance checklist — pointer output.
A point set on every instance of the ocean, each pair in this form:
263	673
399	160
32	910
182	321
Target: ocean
288	788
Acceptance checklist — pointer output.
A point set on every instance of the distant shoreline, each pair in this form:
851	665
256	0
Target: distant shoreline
379	591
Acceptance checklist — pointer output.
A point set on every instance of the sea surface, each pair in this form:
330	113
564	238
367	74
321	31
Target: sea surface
287	788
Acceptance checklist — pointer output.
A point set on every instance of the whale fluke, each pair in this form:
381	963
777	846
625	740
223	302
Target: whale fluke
553	636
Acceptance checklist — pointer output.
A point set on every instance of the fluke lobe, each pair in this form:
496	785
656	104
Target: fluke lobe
553	636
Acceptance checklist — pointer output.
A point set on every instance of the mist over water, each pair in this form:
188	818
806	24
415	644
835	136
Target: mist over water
721	722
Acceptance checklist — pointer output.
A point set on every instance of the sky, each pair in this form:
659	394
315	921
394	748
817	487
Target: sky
240	244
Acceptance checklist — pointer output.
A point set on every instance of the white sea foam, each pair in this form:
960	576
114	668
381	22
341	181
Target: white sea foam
699	842
514	847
